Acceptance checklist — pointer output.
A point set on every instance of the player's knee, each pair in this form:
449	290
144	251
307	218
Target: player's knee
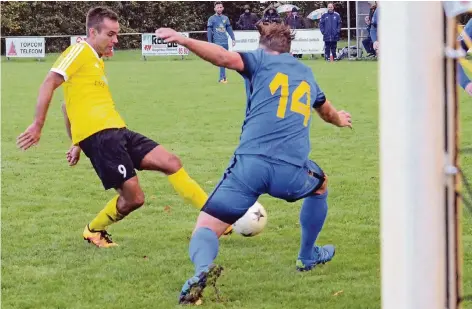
136	201
324	187
173	164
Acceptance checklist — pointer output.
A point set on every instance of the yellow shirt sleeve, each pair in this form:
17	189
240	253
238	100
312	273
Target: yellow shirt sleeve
70	61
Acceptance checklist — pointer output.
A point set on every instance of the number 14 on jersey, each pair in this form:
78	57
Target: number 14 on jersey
281	81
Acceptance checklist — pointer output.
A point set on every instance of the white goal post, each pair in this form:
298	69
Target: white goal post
419	255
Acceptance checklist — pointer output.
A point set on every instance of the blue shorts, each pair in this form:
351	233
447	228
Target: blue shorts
249	176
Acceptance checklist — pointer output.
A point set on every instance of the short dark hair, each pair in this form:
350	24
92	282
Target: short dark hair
276	36
218	2
96	15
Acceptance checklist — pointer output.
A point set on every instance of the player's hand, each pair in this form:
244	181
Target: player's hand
170	35
30	137
73	155
344	119
468	88
234	43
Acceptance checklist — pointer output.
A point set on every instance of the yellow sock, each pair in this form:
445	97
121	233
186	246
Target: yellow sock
188	188
107	216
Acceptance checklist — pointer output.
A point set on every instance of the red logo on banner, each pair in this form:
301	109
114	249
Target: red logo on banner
147	47
12	50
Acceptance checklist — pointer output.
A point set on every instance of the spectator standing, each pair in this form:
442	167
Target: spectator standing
247	20
330	26
294	21
271	15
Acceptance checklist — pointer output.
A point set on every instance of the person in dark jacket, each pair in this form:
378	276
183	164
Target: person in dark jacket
330	26
247	20
294	21
271	16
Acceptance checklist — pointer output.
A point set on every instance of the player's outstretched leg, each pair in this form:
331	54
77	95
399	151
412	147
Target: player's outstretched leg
312	217
203	250
162	160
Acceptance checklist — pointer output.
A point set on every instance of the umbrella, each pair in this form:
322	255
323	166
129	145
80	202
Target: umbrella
286	8
316	14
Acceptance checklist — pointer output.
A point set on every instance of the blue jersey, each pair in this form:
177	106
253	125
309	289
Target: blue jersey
280	94
217	27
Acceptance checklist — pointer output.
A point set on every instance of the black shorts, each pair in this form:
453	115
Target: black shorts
116	153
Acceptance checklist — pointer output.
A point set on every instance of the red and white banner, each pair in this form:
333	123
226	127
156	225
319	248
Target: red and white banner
33	47
151	45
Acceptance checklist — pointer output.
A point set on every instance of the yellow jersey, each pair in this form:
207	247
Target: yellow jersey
88	100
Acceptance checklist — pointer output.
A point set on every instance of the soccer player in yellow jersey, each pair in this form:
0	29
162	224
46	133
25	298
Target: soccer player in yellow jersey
98	130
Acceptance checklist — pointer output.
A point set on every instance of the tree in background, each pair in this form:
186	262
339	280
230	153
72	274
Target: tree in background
68	17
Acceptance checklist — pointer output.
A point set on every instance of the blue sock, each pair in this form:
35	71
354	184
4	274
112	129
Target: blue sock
312	217
222	73
203	249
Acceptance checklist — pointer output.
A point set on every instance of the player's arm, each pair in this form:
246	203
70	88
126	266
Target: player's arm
46	91
210	30
212	53
64	67
327	112
229	29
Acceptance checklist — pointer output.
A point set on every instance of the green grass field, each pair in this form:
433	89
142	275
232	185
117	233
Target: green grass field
46	204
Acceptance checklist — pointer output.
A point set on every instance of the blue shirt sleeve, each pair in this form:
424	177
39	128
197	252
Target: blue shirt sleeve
229	29
251	62
317	93
210	29
320	97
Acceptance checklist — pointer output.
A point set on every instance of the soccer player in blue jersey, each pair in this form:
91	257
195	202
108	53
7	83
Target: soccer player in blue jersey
217	27
272	156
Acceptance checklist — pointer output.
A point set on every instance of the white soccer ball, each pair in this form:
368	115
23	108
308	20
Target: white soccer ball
253	221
